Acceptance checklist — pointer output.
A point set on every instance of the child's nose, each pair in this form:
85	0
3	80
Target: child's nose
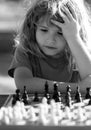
52	37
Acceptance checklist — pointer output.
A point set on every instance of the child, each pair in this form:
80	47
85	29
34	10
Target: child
54	39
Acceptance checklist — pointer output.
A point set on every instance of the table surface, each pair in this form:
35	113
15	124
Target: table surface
3	127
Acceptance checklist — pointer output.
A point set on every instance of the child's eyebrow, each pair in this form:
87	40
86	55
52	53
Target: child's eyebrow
46	27
42	26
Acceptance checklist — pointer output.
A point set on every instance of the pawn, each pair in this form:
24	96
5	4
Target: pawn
18	95
59	96
88	93
14	100
68	89
78	97
55	86
89	103
68	99
46	89
25	96
89	97
36	97
68	96
55	93
46	93
48	98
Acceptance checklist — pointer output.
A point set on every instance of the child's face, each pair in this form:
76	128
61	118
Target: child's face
50	38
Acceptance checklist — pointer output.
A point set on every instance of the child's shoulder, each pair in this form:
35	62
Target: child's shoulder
20	49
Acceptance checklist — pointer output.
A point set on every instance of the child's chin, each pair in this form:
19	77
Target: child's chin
53	55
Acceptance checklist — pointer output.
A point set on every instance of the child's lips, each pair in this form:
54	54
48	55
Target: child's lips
50	47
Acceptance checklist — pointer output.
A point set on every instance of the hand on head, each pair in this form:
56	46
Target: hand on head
70	24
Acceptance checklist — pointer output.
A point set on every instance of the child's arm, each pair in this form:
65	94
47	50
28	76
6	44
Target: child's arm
23	77
82	56
71	32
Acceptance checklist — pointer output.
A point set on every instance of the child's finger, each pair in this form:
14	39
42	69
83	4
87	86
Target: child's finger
72	11
67	12
58	18
64	14
57	23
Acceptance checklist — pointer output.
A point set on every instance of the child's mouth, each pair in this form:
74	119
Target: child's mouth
50	47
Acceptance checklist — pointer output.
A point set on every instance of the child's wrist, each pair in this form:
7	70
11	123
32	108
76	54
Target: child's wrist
74	38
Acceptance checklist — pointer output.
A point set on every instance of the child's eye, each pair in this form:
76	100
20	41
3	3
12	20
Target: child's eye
60	33
44	30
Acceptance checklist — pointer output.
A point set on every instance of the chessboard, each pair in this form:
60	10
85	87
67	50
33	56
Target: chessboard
47	110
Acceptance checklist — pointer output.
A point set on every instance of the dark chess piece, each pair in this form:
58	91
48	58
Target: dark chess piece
48	98
78	97
59	96
56	93
25	96
14	100
89	103
88	93
68	99
36	97
68	96
68	89
46	92
46	89
18	95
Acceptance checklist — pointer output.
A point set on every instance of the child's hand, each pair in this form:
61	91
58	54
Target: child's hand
70	27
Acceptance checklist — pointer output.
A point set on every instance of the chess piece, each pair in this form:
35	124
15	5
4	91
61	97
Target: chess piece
89	103
68	99
68	96
68	89
53	118
55	93
36	97
46	89
14	100
18	95
48	98
88	93
78	97
59	96
25	96
46	92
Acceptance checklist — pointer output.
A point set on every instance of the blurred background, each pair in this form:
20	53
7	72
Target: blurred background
11	14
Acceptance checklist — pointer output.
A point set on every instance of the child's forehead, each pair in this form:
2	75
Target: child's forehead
46	21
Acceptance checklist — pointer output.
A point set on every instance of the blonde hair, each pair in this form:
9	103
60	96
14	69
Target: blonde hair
39	8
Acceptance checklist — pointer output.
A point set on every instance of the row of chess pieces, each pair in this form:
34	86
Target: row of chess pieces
50	109
57	96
